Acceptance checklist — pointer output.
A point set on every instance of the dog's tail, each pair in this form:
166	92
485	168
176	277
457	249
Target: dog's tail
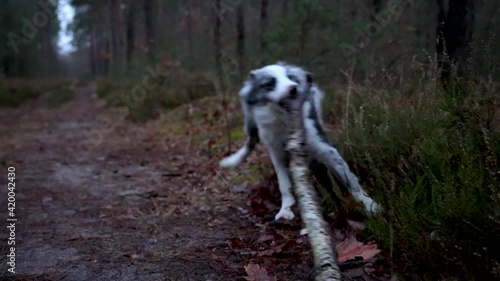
235	159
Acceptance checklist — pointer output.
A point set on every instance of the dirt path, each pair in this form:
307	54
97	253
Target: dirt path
116	212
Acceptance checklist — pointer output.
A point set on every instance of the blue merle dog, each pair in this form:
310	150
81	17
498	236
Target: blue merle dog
264	98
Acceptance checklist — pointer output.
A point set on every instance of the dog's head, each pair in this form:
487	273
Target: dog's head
275	83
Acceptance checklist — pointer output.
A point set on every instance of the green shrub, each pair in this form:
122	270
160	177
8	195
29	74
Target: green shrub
14	92
431	158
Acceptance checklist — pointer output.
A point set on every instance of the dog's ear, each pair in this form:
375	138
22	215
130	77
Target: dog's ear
309	77
248	88
252	75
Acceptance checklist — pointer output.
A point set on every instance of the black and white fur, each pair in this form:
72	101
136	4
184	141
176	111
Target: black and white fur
264	99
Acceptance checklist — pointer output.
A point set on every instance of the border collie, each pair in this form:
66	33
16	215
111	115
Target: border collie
264	99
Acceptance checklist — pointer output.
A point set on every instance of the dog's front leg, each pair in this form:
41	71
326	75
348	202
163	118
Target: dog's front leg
285	184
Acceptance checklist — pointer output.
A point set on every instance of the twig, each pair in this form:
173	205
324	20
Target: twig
349	90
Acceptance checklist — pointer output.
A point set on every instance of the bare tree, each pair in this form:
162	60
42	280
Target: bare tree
188	14
263	24
130	29
218	46
93	52
377	6
240	29
284	9
113	34
149	24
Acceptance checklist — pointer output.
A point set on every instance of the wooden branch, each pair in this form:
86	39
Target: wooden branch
325	257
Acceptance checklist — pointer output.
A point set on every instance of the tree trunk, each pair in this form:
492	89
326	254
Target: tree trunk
454	36
325	256
263	24
377	7
190	32
240	29
130	30
218	47
112	38
149	24
120	41
285	9
93	70
107	59
94	48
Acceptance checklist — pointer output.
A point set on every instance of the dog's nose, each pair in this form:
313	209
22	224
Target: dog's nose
293	91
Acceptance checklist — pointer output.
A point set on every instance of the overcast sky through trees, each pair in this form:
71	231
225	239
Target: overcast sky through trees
66	13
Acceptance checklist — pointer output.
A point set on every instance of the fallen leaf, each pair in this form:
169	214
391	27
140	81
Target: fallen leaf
356	225
236	243
240	188
257	273
351	248
215	222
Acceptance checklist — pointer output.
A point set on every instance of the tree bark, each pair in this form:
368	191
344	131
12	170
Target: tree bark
190	31
454	36
130	30
377	7
94	52
285	8
218	47
112	38
263	24
240	29
120	41
325	256
149	24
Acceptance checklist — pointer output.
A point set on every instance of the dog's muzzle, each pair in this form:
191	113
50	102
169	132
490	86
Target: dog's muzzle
296	98
293	92
288	102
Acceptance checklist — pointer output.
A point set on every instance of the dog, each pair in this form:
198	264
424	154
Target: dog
265	98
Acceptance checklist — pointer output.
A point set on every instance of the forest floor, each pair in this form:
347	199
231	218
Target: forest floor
147	202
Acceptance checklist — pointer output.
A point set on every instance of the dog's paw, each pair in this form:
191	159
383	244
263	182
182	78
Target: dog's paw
303	232
373	208
286	214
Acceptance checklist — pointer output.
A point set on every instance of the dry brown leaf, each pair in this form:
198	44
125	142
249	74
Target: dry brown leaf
351	248
257	273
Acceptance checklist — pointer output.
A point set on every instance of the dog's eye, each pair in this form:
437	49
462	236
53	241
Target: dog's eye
294	78
269	84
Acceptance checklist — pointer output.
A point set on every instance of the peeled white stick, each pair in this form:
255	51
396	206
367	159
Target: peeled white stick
325	256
